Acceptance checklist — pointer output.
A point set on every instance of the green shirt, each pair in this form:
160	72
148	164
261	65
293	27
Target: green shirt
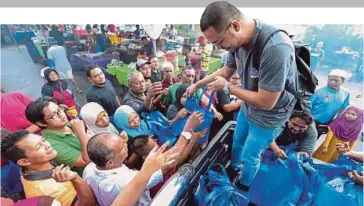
68	147
171	97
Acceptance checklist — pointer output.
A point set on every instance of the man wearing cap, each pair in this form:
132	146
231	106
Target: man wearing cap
329	101
157	74
205	57
144	67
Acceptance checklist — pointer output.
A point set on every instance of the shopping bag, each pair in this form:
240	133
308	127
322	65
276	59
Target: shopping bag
330	183
192	104
216	189
160	127
280	182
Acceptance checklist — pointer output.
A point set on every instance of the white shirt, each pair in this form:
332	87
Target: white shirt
59	56
107	184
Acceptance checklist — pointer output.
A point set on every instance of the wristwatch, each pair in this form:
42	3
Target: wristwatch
187	135
226	88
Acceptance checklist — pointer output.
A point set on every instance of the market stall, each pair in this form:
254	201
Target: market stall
82	60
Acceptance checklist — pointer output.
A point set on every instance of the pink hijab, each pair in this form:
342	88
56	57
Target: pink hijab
345	130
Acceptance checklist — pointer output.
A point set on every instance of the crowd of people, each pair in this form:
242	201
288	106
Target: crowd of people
105	153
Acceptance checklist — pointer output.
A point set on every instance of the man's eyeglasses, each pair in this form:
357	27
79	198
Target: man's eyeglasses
59	113
219	41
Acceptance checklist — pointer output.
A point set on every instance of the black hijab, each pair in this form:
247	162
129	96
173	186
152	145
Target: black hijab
179	93
50	86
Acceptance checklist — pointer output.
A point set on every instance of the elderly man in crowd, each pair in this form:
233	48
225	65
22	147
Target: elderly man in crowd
329	101
138	97
187	77
107	175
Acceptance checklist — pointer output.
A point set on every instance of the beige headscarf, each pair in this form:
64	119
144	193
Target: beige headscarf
89	113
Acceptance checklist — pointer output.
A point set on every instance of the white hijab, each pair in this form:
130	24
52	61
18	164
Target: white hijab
89	113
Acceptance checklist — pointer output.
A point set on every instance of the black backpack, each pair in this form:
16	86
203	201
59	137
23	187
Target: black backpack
307	81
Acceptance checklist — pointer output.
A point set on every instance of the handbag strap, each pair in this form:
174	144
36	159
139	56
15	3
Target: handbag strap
62	91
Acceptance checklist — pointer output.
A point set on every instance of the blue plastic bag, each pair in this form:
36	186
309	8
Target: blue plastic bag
160	127
331	184
193	104
280	182
216	189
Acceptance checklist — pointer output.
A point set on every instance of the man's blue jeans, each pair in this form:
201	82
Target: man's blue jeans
249	142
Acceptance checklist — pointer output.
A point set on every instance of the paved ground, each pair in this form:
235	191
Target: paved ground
19	73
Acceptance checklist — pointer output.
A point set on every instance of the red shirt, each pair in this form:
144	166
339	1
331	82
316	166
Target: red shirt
166	84
13	118
13	107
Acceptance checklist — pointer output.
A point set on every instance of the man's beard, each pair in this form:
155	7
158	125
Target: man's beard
102	84
295	132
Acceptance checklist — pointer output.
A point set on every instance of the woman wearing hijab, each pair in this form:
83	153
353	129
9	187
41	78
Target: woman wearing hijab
177	111
60	90
128	120
96	119
345	130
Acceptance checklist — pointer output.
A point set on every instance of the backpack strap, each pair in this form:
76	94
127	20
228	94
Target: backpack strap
263	37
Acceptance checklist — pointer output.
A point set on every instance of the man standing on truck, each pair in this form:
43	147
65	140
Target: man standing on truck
267	106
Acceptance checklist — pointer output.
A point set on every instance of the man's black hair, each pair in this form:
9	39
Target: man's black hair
305	115
9	149
139	144
34	110
90	68
187	47
218	15
98	152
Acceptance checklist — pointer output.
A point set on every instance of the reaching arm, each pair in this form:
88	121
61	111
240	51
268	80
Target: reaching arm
357	156
232	106
328	138
262	99
131	193
273	146
79	128
84	192
154	161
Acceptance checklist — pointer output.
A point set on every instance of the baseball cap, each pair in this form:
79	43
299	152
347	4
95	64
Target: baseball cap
141	62
201	38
